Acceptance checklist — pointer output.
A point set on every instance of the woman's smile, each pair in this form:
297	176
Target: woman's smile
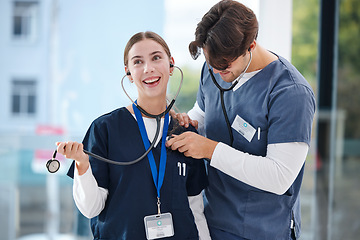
152	81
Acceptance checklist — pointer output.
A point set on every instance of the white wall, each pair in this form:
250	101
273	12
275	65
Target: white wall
275	21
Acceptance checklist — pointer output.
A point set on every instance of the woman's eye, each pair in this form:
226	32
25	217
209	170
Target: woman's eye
137	62
157	57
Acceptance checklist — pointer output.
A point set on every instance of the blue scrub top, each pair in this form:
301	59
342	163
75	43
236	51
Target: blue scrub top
132	193
279	102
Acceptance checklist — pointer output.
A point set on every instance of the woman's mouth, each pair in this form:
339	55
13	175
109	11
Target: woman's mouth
152	80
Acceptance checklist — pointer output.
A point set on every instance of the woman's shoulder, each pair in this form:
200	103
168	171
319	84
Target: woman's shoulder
114	115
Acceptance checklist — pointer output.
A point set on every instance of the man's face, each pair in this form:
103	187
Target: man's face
234	69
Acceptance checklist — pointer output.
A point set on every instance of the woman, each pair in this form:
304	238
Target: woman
124	201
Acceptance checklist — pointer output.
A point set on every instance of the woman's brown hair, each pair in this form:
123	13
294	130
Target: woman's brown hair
141	36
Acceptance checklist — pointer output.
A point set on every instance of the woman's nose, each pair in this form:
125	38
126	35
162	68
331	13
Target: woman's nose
148	67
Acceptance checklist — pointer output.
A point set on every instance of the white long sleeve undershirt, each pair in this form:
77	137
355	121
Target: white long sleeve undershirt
90	198
197	207
273	173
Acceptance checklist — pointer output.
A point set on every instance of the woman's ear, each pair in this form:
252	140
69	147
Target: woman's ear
128	74
172	63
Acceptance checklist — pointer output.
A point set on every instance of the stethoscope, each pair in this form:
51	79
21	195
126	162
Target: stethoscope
53	164
222	90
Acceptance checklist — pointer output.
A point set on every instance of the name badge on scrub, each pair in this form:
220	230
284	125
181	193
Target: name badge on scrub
159	226
244	128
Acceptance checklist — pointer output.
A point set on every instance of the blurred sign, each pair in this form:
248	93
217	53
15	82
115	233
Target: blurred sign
49	130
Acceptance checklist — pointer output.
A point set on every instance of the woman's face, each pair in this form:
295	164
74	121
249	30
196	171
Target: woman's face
149	66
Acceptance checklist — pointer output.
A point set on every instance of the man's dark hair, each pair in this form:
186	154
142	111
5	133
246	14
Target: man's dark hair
225	32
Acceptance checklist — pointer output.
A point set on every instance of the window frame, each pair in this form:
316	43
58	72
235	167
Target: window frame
25	17
23	102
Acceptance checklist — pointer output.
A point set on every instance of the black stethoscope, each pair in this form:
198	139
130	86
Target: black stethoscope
53	164
222	90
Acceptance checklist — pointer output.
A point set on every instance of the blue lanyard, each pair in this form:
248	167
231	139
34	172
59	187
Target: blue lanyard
158	178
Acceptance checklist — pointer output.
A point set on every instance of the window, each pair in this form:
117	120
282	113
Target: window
24	20
23	97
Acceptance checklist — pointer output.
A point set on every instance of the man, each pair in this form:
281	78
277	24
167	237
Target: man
257	129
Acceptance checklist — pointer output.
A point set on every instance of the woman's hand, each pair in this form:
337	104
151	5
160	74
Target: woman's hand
184	119
74	150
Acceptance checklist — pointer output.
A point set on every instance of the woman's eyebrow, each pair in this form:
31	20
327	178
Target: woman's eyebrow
135	57
153	53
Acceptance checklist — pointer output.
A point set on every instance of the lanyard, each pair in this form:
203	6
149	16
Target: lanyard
158	178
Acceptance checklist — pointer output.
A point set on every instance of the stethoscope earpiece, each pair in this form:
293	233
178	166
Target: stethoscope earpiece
171	103
128	72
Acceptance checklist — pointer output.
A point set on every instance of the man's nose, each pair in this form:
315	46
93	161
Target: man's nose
216	71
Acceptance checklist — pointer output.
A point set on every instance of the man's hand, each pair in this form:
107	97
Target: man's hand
192	145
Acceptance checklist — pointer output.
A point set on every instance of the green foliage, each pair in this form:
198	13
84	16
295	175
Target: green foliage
349	65
349	34
187	96
305	37
305	54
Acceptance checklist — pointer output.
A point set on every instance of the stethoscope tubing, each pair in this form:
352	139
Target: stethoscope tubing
222	91
157	117
167	109
152	144
123	163
133	161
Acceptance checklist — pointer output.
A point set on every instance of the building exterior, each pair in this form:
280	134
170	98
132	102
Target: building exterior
54	56
61	63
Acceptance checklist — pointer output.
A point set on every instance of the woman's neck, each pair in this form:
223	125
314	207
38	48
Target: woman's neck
153	106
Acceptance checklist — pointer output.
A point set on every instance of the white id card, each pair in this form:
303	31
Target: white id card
159	226
244	128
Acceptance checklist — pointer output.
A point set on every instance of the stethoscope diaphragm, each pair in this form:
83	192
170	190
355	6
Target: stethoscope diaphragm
53	165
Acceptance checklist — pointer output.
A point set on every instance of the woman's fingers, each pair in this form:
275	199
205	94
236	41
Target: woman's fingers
70	149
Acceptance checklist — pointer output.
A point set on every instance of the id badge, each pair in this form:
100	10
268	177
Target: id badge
244	128
159	226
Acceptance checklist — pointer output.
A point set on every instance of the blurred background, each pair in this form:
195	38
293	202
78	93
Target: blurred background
61	63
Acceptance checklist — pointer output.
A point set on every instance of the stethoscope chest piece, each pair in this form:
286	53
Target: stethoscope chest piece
53	165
